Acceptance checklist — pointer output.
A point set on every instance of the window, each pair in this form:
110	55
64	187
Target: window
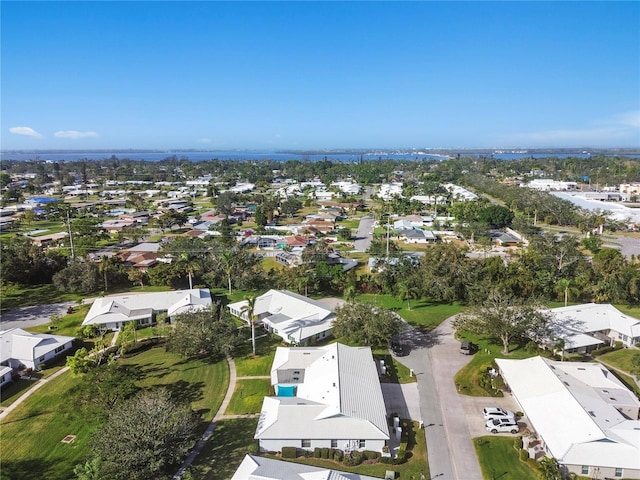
362	443
618	472
334	443
585	470
59	349
305	443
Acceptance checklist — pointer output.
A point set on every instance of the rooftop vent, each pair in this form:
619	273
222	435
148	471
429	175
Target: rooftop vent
592	413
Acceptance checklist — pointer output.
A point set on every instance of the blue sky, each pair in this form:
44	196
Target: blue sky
289	75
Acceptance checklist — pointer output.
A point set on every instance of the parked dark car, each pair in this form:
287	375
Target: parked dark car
468	348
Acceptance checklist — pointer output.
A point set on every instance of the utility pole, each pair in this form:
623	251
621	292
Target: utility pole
388	222
73	252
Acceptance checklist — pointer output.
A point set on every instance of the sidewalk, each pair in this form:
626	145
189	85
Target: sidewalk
214	423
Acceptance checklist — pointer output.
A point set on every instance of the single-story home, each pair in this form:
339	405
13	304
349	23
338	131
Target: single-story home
115	311
582	415
22	349
326	397
295	318
5	375
587	326
254	467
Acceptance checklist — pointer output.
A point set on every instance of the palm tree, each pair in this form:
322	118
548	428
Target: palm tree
248	308
406	292
566	286
226	258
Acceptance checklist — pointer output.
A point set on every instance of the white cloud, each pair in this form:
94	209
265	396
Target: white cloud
74	134
629	119
204	140
25	131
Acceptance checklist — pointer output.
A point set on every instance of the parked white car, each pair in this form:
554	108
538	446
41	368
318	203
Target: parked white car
497	412
503	425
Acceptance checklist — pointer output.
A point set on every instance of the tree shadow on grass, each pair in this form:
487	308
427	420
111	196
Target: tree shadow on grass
32	468
185	391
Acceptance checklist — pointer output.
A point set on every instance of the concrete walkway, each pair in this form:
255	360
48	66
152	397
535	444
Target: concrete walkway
214	423
28	393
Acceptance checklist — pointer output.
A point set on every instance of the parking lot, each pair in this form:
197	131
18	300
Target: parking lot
473	411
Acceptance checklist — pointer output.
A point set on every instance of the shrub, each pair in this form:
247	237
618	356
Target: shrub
402	454
317	452
289	452
517	443
253	448
602	350
338	455
325	453
618	345
370	454
523	455
386	460
353	459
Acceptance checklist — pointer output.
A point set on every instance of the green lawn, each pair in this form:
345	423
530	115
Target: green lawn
499	459
248	396
201	382
249	366
621	359
423	314
13	390
14	296
31	435
468	378
68	325
224	450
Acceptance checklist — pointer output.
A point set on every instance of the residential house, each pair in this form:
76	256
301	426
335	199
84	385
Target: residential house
296	318
582	415
417	235
587	326
113	312
113	226
22	349
254	467
52	238
6	375
326	397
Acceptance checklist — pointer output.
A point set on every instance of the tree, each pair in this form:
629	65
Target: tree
89	470
505	318
145	437
80	362
227	259
248	309
406	291
78	277
365	324
204	332
496	216
550	469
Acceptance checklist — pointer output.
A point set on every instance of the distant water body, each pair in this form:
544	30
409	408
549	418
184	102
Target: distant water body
275	156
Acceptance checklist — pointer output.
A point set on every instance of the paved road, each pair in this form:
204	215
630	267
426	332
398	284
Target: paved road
31	316
435	358
364	234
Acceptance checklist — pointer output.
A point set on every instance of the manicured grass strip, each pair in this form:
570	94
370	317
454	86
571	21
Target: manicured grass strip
248	396
224	451
621	359
396	372
201	382
499	459
13	390
30	440
249	366
423	313
31	435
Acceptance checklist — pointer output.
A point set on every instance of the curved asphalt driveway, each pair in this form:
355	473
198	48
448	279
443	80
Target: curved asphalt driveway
435	358
31	316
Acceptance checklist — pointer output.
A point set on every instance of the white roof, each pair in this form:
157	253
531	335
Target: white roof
293	315
338	395
124	308
21	345
593	317
572	406
262	468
